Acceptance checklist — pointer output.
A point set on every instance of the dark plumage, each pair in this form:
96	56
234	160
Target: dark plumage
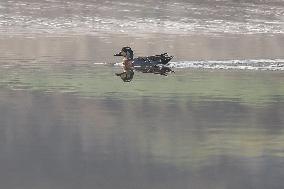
156	64
153	64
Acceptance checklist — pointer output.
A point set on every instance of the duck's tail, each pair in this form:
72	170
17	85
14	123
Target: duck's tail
165	58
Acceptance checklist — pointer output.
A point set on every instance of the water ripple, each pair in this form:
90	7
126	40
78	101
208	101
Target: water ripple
133	18
262	64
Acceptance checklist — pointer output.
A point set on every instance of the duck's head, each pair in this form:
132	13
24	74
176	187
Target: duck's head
126	52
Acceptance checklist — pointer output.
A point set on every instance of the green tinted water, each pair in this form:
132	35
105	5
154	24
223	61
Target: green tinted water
99	81
66	122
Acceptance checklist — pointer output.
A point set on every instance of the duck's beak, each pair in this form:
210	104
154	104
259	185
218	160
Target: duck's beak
118	54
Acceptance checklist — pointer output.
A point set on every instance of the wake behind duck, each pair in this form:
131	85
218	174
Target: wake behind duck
156	64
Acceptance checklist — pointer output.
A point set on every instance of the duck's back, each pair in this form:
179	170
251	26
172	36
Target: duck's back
149	61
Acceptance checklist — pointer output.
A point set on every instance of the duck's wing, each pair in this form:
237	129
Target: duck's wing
153	64
161	58
153	60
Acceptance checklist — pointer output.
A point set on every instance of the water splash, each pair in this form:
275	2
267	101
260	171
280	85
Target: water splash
250	64
261	64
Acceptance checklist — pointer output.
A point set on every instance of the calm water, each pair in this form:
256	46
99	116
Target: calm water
67	122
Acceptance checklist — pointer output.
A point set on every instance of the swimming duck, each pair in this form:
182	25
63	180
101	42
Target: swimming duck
156	64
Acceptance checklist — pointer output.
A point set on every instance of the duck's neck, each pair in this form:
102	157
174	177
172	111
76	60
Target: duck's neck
128	59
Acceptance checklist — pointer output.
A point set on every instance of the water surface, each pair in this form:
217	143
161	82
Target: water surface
66	121
60	140
133	17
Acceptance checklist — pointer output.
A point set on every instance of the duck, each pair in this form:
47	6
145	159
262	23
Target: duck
157	64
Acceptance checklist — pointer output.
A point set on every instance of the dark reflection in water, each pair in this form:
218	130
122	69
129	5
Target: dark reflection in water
62	141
